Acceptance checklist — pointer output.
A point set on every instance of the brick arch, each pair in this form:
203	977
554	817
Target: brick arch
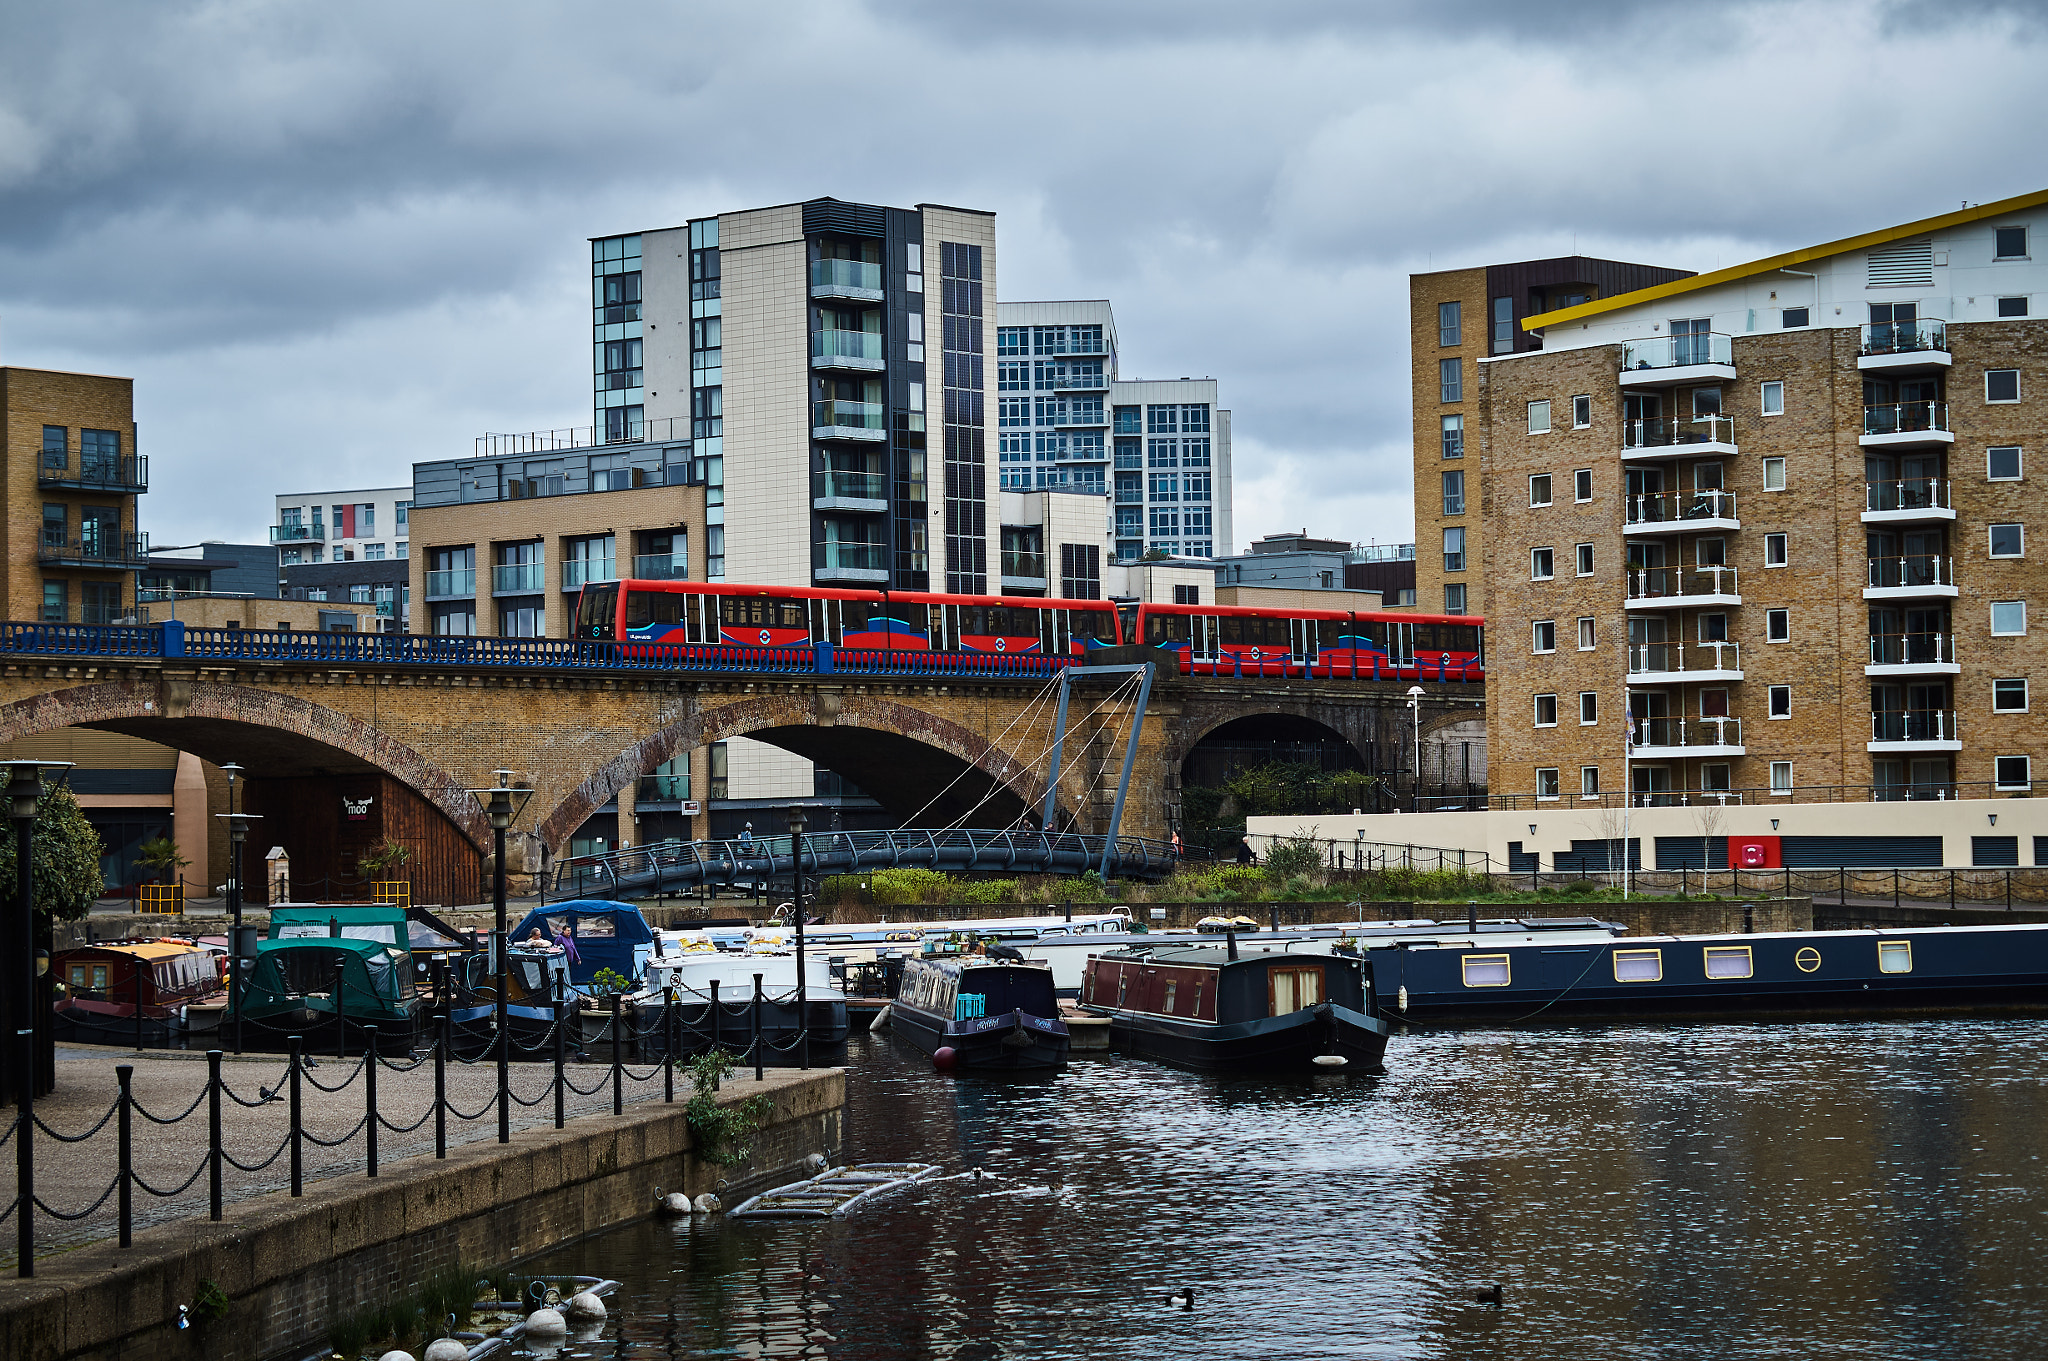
140	709
871	713
1187	739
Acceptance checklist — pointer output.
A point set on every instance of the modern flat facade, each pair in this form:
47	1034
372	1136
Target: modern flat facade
1456	320
1761	535
72	485
1308	567
364	525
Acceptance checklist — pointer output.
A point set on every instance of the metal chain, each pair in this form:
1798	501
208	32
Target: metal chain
281	1146
112	1186
78	1138
204	1162
354	1130
342	1085
144	1111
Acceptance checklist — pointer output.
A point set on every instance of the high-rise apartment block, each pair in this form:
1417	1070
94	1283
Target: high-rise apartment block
365	525
72	479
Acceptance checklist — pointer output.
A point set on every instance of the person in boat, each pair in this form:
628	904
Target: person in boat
566	943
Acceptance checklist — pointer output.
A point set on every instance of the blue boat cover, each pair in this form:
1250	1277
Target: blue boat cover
607	935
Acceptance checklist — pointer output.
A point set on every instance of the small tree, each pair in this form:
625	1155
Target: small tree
159	856
382	861
67	858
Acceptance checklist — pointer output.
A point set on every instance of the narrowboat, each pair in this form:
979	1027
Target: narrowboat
1804	974
730	1027
104	984
1221	1010
993	1014
604	935
307	985
536	989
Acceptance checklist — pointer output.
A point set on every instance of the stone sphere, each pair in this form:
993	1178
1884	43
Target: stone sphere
675	1203
708	1204
547	1323
583	1308
395	1356
446	1349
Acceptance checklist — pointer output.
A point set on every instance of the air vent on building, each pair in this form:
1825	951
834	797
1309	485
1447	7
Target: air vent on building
829	216
1910	264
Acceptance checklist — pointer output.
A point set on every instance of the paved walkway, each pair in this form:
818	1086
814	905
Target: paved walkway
71	1176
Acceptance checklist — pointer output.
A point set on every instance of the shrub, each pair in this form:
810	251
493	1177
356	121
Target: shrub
986	891
722	1135
66	855
1293	856
891	887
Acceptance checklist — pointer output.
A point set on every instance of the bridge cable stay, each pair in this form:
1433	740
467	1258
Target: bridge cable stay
1143	672
1123	690
1032	764
1045	694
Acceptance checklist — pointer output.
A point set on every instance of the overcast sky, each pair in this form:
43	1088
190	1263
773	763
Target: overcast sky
330	240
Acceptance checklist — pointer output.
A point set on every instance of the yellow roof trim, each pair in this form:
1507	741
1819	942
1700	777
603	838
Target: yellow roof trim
1797	257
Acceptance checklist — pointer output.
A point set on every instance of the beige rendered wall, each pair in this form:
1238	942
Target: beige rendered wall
766	290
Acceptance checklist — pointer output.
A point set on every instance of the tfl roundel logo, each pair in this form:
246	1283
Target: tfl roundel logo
1002	644
764	637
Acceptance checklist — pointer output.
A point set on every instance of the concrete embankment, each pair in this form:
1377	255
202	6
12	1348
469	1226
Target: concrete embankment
292	1267
1641	917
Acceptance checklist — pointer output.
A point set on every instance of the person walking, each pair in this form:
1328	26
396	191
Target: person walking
1244	852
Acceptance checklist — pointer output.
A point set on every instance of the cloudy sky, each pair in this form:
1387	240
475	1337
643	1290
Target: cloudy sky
330	240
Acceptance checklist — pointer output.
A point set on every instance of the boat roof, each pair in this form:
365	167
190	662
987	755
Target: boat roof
1211	956
353	944
629	927
139	949
1747	937
346	913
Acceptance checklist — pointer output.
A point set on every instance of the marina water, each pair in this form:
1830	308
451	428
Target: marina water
1852	1190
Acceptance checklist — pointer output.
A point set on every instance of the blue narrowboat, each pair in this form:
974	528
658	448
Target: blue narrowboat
1770	974
606	935
992	1013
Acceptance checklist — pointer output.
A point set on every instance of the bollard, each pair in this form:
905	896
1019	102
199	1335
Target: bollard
757	1028
561	1053
668	1027
1472	915
717	1023
1276	916
441	1046
213	1133
1749	919
298	1129
123	1073
618	1063
370	1097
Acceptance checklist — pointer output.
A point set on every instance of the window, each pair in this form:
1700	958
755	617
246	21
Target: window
1454	493
1781	701
1182	595
2002	464
1503	325
1582	412
1539	489
1454	437
56	452
1454	599
1585	558
1450	323
1714	628
56	602
1729	961
2011	243
1794	317
2013	772
1638	966
1773	399
2001	385
2012	307
1774	550
1546	711
1543	635
2007	541
1781	777
1540	562
1450	380
1774	474
2008	618
1546	783
1485	971
2009	696
1539	418
1895	956
1586	633
1777	626
1589	708
1454	549
1705	402
1582	484
1589	780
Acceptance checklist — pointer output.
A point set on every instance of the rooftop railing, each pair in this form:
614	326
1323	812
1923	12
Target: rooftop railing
583	437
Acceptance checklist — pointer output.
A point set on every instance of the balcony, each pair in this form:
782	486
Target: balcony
1130	496
97	473
1675	738
1680	663
1681	512
456	584
848	420
661	789
1895	425
578	574
1677	361
518	578
1702	437
852	560
846	281
1913	577
1895	346
1076	382
1912	654
1086	416
834	489
860	351
1907	501
1023	571
1912	730
99	552
313	533
661	567
1671	588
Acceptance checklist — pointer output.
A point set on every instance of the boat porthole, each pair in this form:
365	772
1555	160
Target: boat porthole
1808	959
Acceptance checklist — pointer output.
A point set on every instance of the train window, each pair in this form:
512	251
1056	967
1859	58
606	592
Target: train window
594	611
741	610
853	616
973	619
791	614
1166	628
644	608
1099	625
1426	637
1230	629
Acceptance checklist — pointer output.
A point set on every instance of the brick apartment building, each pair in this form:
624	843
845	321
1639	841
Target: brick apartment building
71	477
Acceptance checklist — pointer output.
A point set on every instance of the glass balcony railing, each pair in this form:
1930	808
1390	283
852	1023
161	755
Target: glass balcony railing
853	555
457	582
1905	337
1688	732
1905	418
1670	352
518	576
577	575
661	567
1084	381
1680	506
1913	725
836	344
1673	433
1912	649
850	486
1913	570
1677	583
1080	415
1026	565
662	789
848	415
96	471
1911	493
297	533
845	274
1645	658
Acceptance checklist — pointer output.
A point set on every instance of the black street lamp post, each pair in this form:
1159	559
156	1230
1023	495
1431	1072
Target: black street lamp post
24	787
803	1015
502	805
238	950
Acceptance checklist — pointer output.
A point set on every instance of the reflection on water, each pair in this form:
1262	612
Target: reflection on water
1826	1190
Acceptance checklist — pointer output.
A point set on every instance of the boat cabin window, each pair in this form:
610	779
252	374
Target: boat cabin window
1167	1005
1895	956
1290	990
1808	959
1730	961
1487	971
1195	1008
1638	966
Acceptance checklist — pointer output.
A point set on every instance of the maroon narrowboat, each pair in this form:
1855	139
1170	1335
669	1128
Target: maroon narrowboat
100	987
